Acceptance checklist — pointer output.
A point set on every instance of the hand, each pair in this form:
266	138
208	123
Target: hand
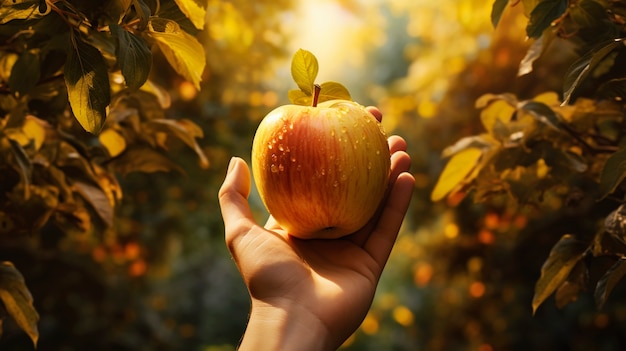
310	294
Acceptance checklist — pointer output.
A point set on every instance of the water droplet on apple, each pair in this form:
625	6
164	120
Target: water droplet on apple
273	168
344	129
293	159
299	168
332	133
274	158
291	126
369	165
377	152
281	147
280	136
335	184
323	172
281	167
269	146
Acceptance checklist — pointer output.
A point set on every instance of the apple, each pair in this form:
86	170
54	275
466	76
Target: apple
321	170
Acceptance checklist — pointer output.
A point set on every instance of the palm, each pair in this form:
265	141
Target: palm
335	278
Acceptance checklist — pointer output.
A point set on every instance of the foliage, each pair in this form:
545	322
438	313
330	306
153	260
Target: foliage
304	69
557	151
78	109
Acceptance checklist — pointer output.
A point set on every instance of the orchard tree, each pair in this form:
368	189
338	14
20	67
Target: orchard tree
78	108
559	151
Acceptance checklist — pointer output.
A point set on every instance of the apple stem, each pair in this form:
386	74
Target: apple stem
316	94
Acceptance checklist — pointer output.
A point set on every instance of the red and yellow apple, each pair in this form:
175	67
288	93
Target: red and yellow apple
321	170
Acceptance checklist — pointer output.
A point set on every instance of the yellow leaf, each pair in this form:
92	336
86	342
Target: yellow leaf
112	141
497	110
34	130
18	301
193	11
455	172
549	98
182	50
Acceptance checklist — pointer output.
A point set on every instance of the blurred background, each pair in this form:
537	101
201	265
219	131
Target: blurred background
461	276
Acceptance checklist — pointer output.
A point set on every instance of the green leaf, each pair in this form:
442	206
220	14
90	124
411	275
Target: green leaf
565	254
587	13
133	56
584	66
497	10
87	81
18	301
143	12
25	73
608	281
543	15
183	51
455	172
194	11
304	69
333	91
613	173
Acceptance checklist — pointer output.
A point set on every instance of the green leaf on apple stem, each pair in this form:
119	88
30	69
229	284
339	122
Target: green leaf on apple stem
304	68
333	91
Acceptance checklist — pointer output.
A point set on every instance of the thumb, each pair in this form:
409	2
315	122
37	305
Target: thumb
233	198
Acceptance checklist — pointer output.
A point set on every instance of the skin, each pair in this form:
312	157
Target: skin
310	294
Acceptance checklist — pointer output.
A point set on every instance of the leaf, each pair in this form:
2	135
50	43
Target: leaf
194	11
298	97
476	141
21	11
587	13
187	132
18	301
497	111
543	15
87	81
608	281
24	164
576	282
533	53
143	12
133	56
455	172
143	159
25	73
304	69
565	254
585	65
613	173
97	199
333	91
543	113
497	10
183	51
112	141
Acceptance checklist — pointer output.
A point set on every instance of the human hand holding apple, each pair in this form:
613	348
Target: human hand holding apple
321	168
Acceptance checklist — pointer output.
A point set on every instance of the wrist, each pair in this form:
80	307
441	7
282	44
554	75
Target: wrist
285	326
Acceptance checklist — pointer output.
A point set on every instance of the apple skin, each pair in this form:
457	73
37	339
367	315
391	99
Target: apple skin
321	171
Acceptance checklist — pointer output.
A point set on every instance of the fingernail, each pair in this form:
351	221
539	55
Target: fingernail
231	165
